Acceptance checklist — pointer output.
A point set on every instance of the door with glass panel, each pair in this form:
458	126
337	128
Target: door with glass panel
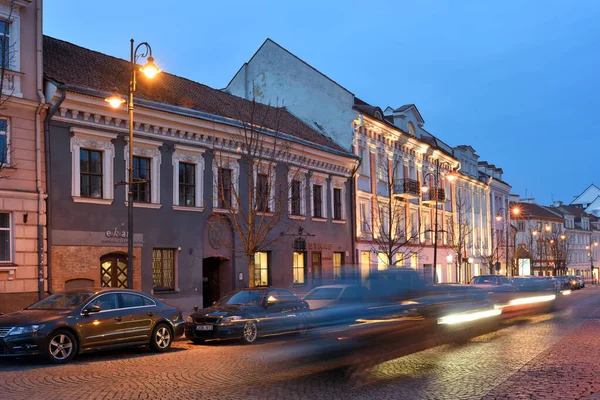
113	271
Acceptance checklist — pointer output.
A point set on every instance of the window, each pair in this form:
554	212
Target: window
141	178
449	268
299	268
106	302
187	184
129	300
296	198
100	143
521	226
382	169
224	187
414	260
91	173
414	223
338	262
411	128
365	167
382	261
4	142
337	203
163	269
262	192
261	269
5	237
365	218
5	45
317	201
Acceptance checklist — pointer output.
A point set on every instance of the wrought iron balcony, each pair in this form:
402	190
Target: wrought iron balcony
407	188
430	196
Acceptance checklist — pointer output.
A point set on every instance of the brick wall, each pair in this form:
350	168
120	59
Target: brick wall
83	262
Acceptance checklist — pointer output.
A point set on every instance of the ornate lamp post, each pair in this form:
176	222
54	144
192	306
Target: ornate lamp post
436	181
150	70
499	217
590	247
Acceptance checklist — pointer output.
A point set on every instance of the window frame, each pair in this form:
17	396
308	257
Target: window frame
225	198
258	266
296	267
12	81
93	140
11	239
339	267
228	161
338	183
365	218
5	158
91	174
297	175
263	193
175	286
318	179
189	155
142	187
317	195
147	149
184	185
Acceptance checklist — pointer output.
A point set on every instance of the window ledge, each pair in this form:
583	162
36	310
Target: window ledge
186	208
90	200
338	221
145	205
266	214
298	217
222	210
319	219
8	168
8	267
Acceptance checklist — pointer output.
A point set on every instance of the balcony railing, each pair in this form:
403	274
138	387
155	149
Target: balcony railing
430	195
407	188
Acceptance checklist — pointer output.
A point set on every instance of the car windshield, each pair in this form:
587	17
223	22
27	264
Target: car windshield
244	297
61	301
323	294
484	280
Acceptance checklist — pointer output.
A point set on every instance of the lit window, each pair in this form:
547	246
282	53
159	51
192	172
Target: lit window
163	269
5	237
299	268
338	262
414	260
382	261
261	269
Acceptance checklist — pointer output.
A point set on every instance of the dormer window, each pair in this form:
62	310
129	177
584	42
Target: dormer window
411	129
378	115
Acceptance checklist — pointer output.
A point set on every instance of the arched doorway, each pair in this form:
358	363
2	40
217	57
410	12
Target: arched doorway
113	270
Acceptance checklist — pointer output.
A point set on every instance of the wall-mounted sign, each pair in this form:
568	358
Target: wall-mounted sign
318	246
114	237
117	233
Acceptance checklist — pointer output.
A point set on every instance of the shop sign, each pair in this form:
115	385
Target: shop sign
318	246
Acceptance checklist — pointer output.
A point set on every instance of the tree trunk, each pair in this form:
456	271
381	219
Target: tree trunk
251	270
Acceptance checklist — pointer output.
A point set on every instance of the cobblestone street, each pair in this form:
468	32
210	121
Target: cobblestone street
542	357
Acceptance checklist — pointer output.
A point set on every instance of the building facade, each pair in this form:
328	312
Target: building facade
22	180
199	183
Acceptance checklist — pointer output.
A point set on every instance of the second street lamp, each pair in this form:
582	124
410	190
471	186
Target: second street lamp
436	193
515	211
150	70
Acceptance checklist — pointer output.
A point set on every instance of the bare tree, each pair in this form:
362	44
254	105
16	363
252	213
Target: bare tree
559	248
246	191
392	236
7	55
494	254
461	230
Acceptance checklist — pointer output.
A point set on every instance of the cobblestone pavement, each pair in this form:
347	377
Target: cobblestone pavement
547	356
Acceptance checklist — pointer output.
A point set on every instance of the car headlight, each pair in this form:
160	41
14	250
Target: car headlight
21	330
232	318
189	320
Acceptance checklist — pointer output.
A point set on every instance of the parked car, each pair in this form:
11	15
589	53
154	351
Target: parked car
575	284
68	323
248	314
492	281
533	283
581	281
334	295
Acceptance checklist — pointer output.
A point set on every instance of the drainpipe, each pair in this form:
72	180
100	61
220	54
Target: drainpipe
353	187
38	152
53	108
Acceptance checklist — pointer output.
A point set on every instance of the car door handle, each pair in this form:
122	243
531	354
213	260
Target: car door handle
150	314
119	319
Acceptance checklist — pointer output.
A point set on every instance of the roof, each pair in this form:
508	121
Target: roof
587	196
81	68
534	210
407	107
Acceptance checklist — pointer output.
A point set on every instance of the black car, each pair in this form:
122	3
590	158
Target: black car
247	314
66	324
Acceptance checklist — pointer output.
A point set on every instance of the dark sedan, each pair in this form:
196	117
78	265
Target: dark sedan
66	324
247	314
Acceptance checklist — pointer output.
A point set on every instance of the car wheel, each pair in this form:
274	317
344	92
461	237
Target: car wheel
198	341
250	332
62	347
161	339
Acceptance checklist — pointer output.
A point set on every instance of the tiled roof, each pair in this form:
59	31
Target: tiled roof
83	68
403	108
534	210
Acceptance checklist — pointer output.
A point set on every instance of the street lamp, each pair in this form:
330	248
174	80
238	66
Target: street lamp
115	101
451	176
515	211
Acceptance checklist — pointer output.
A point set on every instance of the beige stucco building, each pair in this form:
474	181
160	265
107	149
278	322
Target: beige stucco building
22	182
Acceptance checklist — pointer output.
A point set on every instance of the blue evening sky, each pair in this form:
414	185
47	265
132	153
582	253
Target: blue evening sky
517	80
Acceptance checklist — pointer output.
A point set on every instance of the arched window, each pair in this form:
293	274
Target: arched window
113	270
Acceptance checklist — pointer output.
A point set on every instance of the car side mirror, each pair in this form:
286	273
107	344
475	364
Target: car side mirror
214	303
195	308
271	300
92	309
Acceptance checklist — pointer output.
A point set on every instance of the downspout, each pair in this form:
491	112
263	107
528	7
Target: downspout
49	115
353	190
38	153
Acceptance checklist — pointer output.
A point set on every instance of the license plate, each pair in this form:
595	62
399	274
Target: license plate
204	327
